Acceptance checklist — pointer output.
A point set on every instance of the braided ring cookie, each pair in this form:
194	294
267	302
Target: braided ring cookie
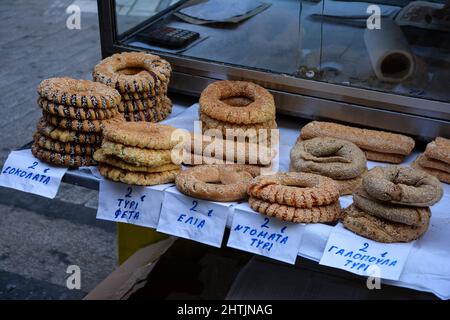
87	126
141	134
139	105
333	158
216	182
76	113
261	109
137	156
78	93
379	229
300	190
67	136
413	216
247	130
134	72
155	114
61	159
114	161
61	147
137	178
327	213
403	185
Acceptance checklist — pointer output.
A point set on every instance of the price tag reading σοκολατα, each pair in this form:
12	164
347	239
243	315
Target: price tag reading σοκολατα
131	204
195	219
267	236
22	171
348	251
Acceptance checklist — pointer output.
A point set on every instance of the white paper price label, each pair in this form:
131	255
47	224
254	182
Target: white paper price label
22	171
195	219
270	237
137	205
351	252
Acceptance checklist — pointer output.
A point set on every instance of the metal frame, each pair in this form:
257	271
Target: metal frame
422	118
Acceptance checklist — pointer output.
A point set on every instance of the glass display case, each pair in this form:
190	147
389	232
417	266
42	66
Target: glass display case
379	63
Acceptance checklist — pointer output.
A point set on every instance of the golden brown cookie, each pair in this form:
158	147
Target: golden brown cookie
439	149
430	163
384	157
61	159
330	157
67	136
133	72
216	182
379	229
114	161
315	214
366	139
61	147
441	175
402	185
232	129
75	112
86	126
296	189
141	134
261	109
78	93
155	114
413	216
137	156
128	106
137	178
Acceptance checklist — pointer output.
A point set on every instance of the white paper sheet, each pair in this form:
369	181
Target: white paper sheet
22	171
195	219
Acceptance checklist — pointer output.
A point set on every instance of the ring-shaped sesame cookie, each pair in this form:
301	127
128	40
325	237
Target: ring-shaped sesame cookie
87	126
334	158
75	112
61	147
134	72
296	189
137	178
62	159
225	183
403	185
261	109
67	136
155	114
316	214
78	93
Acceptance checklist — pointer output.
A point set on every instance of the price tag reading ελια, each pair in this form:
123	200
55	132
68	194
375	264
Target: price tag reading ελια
348	251
136	205
195	219
22	171
270	237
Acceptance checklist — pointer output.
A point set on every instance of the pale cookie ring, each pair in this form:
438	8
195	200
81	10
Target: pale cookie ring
413	216
333	158
402	185
261	109
141	134
149	73
78	93
62	135
114	161
246	130
216	182
137	178
327	213
379	229
137	156
300	190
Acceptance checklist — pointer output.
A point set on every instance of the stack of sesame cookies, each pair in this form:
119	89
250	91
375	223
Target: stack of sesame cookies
73	115
142	80
137	153
392	204
436	159
238	109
